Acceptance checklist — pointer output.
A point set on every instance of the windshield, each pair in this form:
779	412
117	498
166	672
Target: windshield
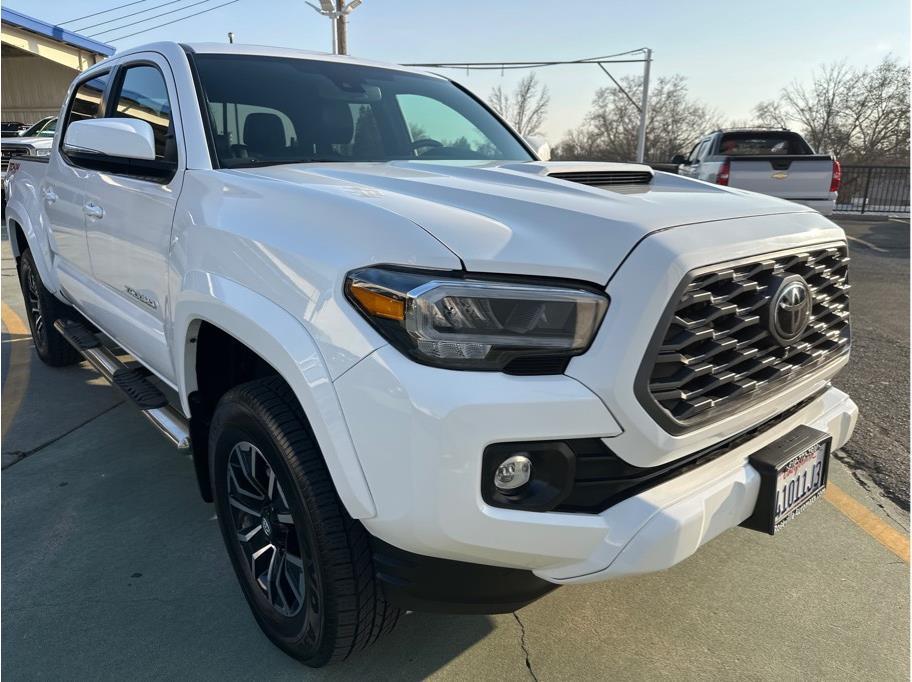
269	110
44	128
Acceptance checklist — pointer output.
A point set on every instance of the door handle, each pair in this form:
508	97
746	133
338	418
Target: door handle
50	196
93	210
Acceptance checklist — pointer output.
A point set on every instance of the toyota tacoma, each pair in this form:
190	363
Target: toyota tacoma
418	367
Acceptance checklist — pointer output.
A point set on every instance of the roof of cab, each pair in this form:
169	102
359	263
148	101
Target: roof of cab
266	51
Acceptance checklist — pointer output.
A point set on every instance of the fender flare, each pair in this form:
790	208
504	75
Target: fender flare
259	323
40	248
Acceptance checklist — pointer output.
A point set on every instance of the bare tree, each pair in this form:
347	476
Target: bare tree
819	106
609	132
771	113
878	113
526	108
858	115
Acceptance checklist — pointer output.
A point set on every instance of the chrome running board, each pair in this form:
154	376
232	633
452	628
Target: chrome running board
133	383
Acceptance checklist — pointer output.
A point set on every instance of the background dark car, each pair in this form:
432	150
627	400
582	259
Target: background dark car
11	128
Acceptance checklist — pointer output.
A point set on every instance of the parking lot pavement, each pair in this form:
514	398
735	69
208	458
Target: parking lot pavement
112	567
878	375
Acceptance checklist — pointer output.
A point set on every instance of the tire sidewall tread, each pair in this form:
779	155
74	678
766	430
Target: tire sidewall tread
354	611
56	351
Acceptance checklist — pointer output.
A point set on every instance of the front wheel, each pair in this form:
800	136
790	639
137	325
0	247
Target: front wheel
304	565
42	308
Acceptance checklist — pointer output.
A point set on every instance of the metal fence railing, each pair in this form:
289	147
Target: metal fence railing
874	189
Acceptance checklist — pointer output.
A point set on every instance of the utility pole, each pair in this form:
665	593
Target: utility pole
338	12
644	106
341	28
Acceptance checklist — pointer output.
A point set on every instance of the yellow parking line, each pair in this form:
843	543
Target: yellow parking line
15	385
868	521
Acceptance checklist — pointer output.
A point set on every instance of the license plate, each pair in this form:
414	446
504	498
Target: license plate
793	473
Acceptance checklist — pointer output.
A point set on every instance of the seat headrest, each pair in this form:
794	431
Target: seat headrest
330	122
264	133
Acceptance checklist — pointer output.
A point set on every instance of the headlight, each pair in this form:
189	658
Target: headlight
43	152
446	320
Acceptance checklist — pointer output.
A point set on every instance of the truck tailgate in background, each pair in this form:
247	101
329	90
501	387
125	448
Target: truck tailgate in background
788	177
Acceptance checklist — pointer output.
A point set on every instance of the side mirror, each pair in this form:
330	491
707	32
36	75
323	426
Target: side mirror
679	159
124	138
540	146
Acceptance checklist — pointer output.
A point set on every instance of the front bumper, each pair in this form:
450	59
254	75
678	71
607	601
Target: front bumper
420	433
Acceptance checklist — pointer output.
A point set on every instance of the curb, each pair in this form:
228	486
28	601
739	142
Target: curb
870	217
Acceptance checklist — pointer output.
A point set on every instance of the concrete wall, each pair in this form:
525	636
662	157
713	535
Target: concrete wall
32	87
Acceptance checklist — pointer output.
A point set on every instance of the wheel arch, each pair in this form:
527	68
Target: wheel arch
213	316
24	234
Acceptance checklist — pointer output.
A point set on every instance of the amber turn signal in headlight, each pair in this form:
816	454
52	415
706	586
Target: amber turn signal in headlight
457	321
376	303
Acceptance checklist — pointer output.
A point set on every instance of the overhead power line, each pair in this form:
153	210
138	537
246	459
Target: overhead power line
642	107
124	16
104	11
152	18
173	21
508	65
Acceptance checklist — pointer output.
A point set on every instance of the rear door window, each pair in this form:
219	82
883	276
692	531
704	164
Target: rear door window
762	144
699	152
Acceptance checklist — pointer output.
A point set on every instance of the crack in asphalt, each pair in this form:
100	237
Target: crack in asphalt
22	454
875	489
522	644
872	489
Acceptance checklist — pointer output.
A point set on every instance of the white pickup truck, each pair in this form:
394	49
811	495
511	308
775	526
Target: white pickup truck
418	367
771	161
34	141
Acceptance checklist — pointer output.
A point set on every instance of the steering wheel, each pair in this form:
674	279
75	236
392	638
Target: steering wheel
427	142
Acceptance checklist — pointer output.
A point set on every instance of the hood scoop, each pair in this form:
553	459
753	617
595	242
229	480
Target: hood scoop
593	173
601	178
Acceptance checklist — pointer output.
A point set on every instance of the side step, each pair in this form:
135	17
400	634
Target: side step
151	401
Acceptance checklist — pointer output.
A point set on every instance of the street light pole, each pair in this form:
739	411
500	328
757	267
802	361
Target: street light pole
644	106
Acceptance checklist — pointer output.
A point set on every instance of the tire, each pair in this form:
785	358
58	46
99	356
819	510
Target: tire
259	428
42	308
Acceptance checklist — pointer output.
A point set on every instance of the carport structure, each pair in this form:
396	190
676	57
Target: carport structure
39	62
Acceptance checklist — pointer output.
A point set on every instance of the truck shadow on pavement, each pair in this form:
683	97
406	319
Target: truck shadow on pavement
112	565
889	238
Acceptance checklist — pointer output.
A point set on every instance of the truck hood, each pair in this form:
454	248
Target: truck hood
36	142
513	218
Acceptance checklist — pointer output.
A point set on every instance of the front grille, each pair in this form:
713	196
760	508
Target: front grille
7	152
600	178
714	353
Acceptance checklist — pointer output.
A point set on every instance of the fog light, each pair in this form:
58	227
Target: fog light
514	472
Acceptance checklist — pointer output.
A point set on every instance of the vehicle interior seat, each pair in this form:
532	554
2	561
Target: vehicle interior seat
264	135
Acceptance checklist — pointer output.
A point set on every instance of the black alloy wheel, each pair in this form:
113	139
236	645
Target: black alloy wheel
42	308
280	559
304	565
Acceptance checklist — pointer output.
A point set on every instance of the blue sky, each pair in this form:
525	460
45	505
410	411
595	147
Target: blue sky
733	53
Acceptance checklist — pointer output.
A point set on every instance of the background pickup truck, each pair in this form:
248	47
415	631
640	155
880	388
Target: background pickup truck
33	141
419	367
775	162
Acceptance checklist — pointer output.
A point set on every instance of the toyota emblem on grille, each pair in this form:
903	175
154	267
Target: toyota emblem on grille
790	310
